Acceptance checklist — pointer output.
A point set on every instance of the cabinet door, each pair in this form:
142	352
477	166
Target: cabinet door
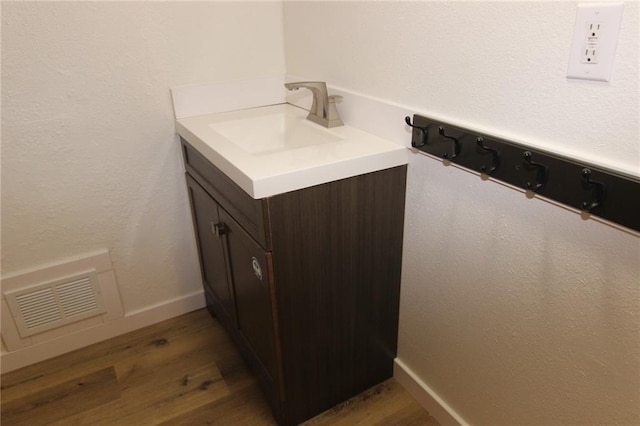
251	279
209	231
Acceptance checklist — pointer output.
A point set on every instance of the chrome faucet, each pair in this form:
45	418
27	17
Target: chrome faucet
323	109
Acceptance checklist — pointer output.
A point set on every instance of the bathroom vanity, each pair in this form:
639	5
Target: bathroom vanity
303	271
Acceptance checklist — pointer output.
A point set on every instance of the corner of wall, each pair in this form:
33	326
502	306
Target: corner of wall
425	396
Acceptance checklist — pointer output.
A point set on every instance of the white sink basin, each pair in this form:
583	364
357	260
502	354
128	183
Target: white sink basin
275	149
274	133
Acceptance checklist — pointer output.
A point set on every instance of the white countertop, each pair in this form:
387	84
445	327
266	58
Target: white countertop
274	149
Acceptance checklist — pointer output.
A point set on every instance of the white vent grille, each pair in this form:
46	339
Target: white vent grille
77	297
51	305
38	308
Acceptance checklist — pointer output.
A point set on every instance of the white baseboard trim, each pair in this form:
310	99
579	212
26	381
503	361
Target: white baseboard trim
131	321
425	396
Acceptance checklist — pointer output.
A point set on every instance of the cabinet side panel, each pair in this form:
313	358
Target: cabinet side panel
337	251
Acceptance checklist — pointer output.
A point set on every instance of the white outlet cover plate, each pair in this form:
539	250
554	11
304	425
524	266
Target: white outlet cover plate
609	15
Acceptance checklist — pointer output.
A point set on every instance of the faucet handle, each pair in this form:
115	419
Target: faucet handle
332	111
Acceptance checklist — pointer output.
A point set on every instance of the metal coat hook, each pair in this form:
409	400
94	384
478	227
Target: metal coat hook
456	144
541	172
423	133
597	195
495	156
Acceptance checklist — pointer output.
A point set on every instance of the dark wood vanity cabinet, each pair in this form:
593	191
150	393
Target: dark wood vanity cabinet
306	282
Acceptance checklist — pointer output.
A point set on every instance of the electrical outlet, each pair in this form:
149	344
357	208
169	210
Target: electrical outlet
593	31
595	37
591	47
590	55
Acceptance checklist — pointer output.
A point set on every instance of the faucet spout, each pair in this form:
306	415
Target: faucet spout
323	109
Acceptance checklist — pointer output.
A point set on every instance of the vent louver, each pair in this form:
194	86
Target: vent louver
51	305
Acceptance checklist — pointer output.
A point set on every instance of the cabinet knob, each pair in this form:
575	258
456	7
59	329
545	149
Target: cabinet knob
219	229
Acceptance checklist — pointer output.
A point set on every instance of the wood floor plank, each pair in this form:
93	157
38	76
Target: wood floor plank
190	351
68	398
167	380
185	371
100	355
244	407
379	405
158	401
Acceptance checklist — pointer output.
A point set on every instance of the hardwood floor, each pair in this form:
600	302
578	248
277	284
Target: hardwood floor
184	371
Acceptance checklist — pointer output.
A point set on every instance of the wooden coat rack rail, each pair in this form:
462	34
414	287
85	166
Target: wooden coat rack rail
611	195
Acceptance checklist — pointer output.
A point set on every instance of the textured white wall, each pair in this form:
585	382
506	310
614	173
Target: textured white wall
515	311
89	152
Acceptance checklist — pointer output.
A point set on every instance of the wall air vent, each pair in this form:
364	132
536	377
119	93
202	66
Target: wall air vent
54	304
